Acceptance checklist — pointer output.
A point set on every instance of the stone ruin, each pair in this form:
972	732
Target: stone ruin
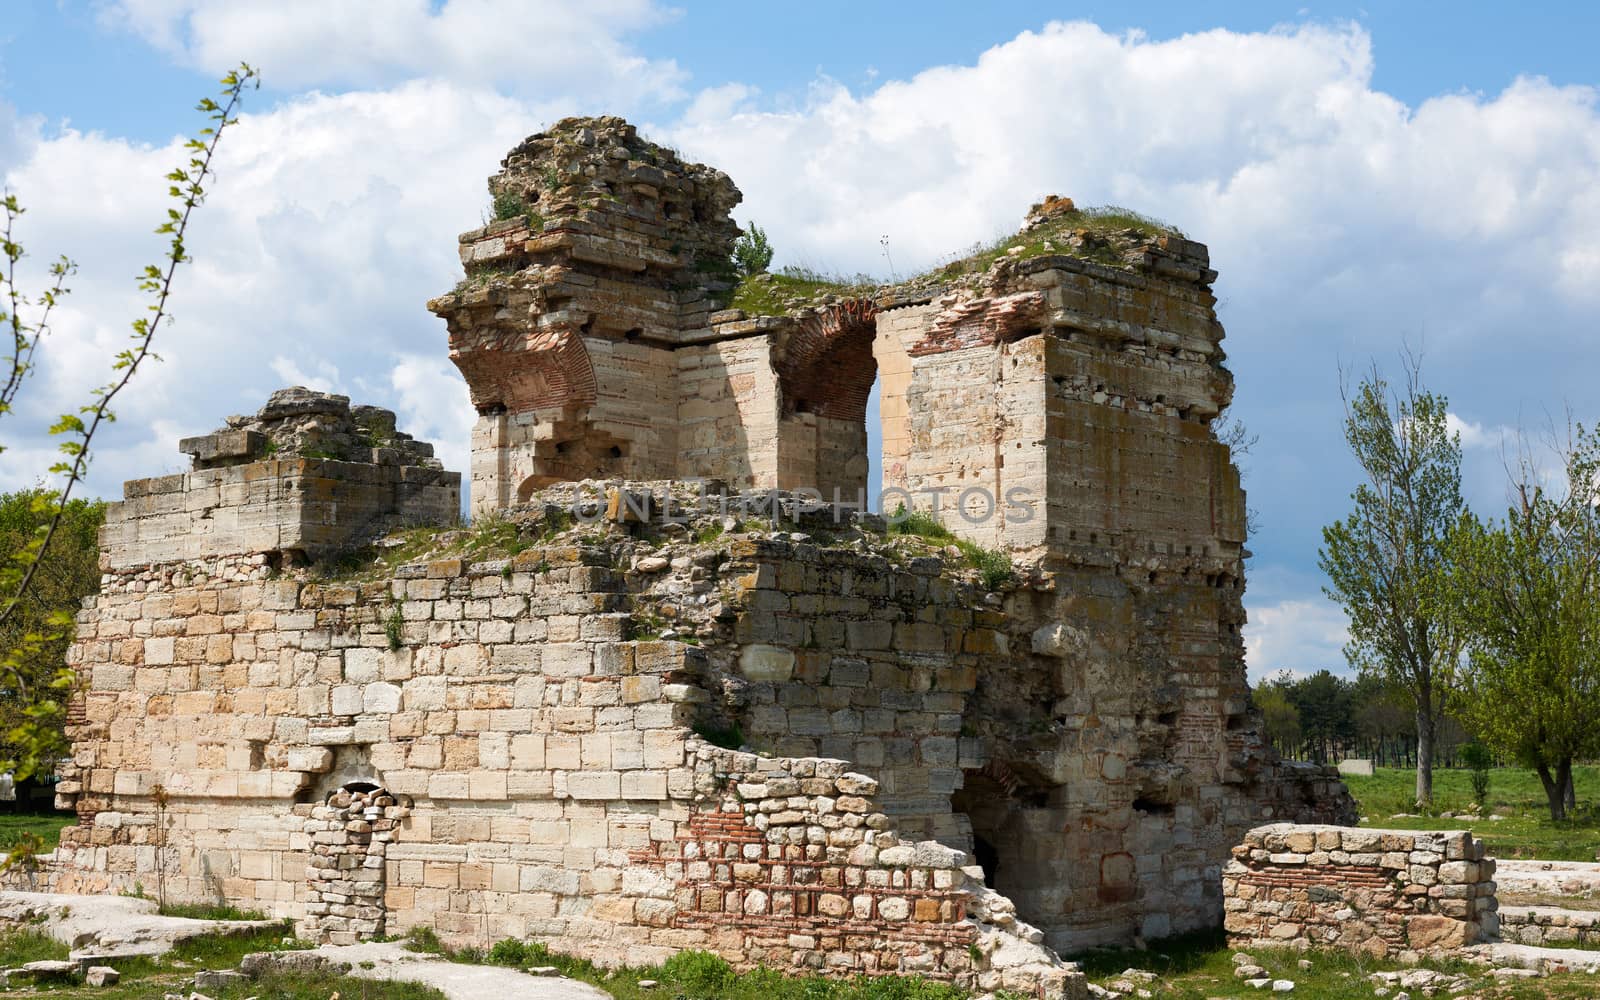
817	745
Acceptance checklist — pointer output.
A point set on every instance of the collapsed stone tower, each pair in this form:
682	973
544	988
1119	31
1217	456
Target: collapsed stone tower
833	748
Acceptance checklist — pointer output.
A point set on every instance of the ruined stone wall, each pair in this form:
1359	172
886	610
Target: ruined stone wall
1069	710
527	761
1372	892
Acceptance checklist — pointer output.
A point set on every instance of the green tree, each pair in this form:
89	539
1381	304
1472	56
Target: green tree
1389	561
1529	589
38	701
1323	702
1279	717
68	572
752	254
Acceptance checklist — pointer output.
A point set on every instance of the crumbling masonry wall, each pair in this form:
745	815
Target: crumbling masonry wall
1067	752
1384	893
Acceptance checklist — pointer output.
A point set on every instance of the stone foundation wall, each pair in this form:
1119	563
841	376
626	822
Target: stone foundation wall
1375	892
1550	926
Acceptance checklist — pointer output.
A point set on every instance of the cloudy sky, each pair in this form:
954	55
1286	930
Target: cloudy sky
1363	179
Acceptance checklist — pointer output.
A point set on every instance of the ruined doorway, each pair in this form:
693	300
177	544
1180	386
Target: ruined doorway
1003	811
826	372
347	871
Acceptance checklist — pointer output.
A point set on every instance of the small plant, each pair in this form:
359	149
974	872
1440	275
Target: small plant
993	565
26	846
159	798
425	940
752	254
509	205
515	953
699	973
137	892
919	523
1478	760
394	628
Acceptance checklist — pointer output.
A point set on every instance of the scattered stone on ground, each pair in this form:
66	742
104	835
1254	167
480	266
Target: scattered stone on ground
390	961
102	926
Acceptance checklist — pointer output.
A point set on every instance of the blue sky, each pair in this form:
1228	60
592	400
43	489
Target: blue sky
1419	172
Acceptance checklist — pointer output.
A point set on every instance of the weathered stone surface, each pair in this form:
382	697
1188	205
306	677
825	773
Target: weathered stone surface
1342	895
503	743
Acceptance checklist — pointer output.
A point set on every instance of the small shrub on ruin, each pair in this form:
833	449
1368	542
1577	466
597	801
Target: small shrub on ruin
752	254
509	205
921	524
394	629
993	565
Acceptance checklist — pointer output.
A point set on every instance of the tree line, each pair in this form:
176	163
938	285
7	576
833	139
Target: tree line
1489	624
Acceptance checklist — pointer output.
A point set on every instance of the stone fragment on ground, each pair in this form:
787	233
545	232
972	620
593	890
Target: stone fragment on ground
101	926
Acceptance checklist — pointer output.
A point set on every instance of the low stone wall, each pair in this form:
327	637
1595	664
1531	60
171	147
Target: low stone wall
1376	892
1550	926
788	862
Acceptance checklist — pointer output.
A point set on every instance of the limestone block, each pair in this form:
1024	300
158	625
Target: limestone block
770	664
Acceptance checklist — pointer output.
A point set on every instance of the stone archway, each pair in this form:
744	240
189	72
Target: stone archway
825	374
350	832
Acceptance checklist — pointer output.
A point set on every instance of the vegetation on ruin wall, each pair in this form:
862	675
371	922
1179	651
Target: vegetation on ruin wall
1101	234
1201	966
1526	831
1105	235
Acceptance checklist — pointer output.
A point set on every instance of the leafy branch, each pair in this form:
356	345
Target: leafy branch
36	734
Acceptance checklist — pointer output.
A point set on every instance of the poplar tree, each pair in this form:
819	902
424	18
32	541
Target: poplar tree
1388	563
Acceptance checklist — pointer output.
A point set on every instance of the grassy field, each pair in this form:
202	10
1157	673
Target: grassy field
47	825
1525	832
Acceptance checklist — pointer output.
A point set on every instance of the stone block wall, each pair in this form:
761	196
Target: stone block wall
1375	892
1550	926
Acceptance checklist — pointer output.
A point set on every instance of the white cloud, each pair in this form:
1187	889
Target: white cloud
431	400
331	222
530	47
1476	436
1301	636
1273	147
1340	219
291	373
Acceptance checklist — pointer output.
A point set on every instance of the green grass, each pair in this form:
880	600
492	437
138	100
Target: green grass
146	978
211	911
698	975
1527	831
1109	228
45	825
993	565
1200	966
28	944
791	288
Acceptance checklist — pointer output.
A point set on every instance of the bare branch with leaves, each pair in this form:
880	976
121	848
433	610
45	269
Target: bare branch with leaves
38	734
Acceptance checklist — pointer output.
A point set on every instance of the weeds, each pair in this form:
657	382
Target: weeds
394	629
509	205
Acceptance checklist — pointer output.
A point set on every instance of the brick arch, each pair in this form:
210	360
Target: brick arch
521	371
827	365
